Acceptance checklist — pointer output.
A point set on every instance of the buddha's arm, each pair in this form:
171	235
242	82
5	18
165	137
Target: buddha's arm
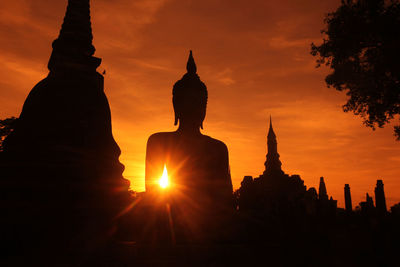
225	184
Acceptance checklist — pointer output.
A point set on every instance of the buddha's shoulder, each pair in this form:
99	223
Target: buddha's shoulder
172	137
158	137
215	143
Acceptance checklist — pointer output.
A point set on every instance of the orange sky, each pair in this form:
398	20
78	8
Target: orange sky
255	61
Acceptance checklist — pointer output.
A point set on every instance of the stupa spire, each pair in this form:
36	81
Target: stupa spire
271	133
73	48
322	193
272	164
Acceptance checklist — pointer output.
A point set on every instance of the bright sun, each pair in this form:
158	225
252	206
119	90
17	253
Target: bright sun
164	181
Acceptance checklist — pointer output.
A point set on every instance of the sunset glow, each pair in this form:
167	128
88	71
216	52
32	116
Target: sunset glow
255	60
164	180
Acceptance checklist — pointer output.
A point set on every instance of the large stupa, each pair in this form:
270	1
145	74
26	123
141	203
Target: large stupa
60	169
273	188
275	193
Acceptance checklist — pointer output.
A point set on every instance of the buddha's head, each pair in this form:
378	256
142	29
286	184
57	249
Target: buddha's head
190	97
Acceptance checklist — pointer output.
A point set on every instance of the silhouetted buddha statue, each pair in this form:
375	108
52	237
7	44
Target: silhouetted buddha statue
198	165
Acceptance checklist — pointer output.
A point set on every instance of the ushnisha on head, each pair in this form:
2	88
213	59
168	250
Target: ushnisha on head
190	96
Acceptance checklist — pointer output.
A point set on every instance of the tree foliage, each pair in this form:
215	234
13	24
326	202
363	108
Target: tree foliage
6	127
362	46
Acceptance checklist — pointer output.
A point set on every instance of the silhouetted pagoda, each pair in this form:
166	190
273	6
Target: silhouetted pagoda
380	199
60	170
367	207
326	206
276	192
273	188
273	165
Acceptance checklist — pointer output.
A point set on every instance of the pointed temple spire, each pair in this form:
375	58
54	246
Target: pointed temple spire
322	193
272	164
73	48
271	133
